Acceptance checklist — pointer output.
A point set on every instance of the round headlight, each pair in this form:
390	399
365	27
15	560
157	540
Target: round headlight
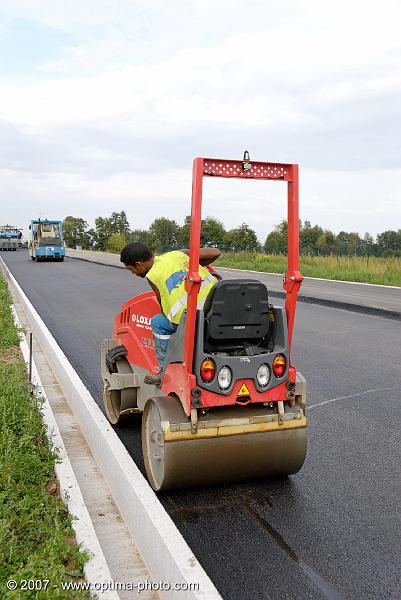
263	375
224	378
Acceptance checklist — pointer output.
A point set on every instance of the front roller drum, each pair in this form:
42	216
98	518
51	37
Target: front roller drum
120	404
206	460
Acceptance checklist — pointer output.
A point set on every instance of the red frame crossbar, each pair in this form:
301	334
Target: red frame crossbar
240	169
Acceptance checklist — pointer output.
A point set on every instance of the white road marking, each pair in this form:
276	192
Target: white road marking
398	387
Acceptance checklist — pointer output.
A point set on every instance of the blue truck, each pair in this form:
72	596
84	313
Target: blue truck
10	237
46	240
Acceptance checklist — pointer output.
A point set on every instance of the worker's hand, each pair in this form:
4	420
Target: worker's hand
214	272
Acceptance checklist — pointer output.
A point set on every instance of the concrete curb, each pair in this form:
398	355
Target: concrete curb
164	550
96	569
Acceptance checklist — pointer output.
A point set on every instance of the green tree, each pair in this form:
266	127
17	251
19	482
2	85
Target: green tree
242	238
275	244
368	245
212	232
276	241
326	243
119	223
116	242
308	237
350	244
183	233
389	243
144	236
107	226
165	232
91	233
102	232
342	243
355	244
75	232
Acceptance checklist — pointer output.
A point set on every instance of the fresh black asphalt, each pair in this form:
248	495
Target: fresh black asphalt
331	531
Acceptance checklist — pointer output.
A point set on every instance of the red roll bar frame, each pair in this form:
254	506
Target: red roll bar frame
240	169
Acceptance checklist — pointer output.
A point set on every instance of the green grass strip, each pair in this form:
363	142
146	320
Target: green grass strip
383	271
37	541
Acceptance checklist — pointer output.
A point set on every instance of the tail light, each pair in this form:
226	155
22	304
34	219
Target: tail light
207	370
279	365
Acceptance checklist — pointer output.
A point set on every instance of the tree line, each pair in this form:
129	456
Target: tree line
114	232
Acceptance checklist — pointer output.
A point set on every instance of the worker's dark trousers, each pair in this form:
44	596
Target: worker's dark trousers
162	329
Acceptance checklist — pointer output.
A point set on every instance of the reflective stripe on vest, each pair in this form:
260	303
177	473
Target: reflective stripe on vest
181	304
168	274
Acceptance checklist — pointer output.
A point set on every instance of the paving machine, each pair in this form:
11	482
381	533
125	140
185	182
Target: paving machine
10	237
46	240
231	405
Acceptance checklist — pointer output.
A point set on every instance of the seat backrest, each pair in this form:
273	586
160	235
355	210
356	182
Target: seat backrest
237	311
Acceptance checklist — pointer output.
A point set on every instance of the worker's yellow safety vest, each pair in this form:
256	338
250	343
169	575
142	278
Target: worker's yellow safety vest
168	274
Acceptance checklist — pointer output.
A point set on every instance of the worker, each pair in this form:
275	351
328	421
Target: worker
166	276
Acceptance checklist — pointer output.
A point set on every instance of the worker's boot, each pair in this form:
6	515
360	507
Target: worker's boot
153	379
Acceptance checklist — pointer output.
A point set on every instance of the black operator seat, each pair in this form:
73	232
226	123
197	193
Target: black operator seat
236	313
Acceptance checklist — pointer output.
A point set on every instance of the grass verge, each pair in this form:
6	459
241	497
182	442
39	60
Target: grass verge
37	541
383	271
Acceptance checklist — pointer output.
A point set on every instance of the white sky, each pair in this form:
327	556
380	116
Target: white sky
104	104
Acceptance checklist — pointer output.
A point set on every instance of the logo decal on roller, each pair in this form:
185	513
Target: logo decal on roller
142	322
141	319
243	391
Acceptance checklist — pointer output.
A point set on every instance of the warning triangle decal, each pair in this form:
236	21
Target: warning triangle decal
243	391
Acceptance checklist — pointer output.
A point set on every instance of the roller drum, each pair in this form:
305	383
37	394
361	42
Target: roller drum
192	462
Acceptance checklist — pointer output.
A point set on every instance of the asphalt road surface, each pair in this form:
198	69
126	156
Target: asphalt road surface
331	531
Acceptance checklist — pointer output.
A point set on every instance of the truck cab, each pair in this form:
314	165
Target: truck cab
46	240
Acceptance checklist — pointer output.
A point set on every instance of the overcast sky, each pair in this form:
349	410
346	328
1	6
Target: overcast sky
104	104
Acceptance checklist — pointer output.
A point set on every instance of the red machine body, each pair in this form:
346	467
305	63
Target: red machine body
132	325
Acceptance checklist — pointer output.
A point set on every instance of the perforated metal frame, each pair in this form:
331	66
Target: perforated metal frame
238	169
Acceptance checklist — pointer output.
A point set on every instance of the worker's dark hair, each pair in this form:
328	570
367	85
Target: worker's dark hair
135	252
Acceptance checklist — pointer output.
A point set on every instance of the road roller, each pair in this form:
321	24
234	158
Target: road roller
231	404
